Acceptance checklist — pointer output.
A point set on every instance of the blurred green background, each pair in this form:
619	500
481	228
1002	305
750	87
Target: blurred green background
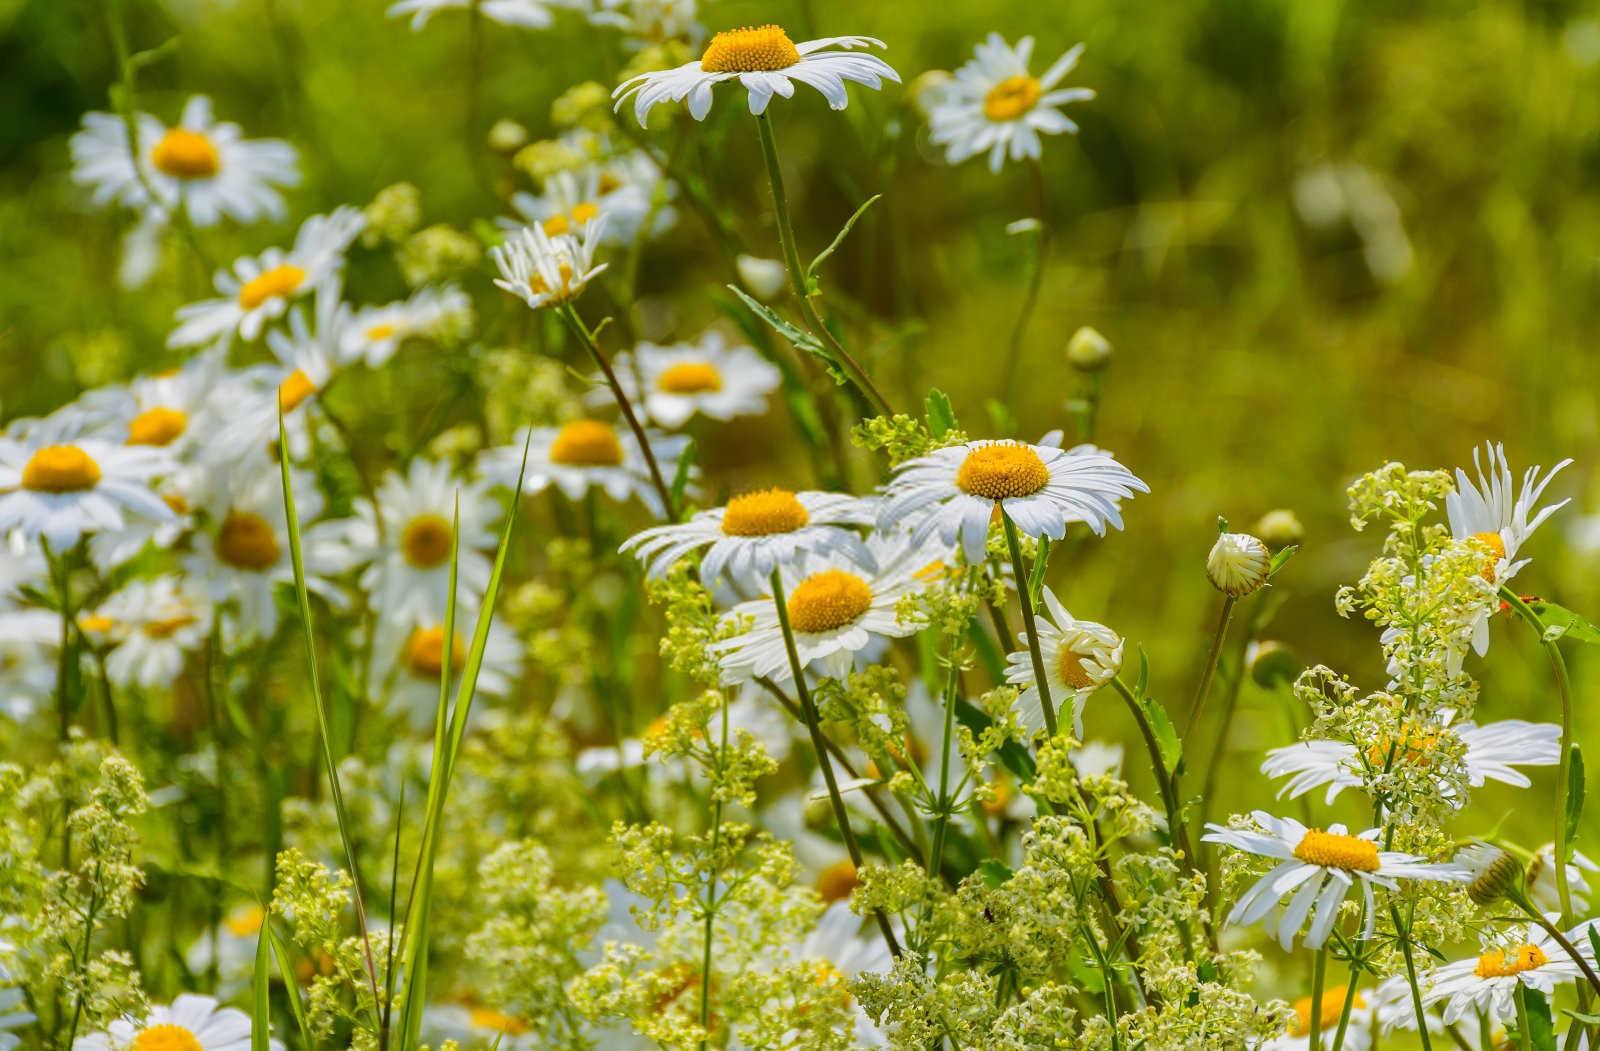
1267	351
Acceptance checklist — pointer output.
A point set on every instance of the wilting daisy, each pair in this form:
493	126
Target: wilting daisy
1358	1034
1080	656
573	199
1495	514
66	490
155	624
1493	753
706	376
766	62
1489	981
375	333
411	658
581	454
954	492
260	288
1319	867
544	270
755	531
837	607
524	14
206	166
994	105
192	1023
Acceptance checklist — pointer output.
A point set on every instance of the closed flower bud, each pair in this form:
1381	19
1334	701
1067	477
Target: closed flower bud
763	277
1088	350
1271	663
1280	528
1238	564
507	137
1500	875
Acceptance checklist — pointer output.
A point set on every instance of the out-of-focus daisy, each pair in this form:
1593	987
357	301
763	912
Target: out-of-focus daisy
1358	1034
994	105
411	658
28	641
1080	656
840	953
190	1023
649	22
755	531
230	946
1489	981
524	14
155	624
1493	753
476	1026
260	288
1319	867
22	565
547	270
837	607
581	454
1541	879
14	1014
65	490
206	167
375	333
706	376
766	62
954	492
573	199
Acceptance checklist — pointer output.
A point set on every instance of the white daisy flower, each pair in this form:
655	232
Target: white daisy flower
63	491
836	946
523	14
375	333
1080	656
622	195
22	565
260	288
994	105
766	62
1489	981
706	375
230	946
1495	514
206	167
1541	879
155	625
837	608
411	657
476	1026
649	22
1358	1034
1320	867
190	1023
581	454
29	639
1493	753
954	492
14	1013
758	530
544	270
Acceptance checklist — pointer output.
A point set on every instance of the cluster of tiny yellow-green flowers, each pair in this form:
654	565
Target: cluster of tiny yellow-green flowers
901	437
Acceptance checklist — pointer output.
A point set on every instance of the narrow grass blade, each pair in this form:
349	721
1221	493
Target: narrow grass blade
261	1002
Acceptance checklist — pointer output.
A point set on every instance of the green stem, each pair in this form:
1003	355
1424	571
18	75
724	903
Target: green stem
1169	796
1318	970
1198	707
711	887
1411	977
63	579
1030	299
797	275
942	820
1344	1011
1026	598
1524	1037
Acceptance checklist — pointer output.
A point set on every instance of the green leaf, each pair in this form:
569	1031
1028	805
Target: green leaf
1541	1030
1001	419
280	952
1280	559
680	477
261	1005
1167	739
1562	623
1574	795
1036	575
941	417
844	231
994	872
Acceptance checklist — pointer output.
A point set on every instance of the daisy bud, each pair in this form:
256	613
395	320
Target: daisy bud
763	277
1498	877
1271	663
1088	350
1238	564
1280	528
507	137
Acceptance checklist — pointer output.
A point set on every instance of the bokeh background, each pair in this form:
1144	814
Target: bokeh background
1319	235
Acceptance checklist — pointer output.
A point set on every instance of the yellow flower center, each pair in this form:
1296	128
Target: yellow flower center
60	469
381	331
424	653
246	541
690	377
609	184
296	388
555	226
281	280
1500	963
1414	745
828	600
587	443
763	513
496	1021
1002	470
1004	793
426	541
165	1037
185	154
1331	1007
1497	548
168	627
242	923
749	50
1333	851
1070	667
584	211
541	287
1011	98
157	426
96	623
837	882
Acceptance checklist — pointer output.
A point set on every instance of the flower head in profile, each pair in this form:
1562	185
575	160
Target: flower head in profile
68	489
1080	656
1528	958
766	62
995	106
1316	870
705	376
547	270
375	333
955	492
622	191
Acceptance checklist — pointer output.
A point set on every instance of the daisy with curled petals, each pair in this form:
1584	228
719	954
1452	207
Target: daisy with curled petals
1316	870
1492	512
705	376
755	531
542	269
1357	1037
523	14
411	657
260	288
994	105
1531	958
1493	753
573	199
580	454
155	624
205	167
767	63
190	1023
65	490
954	492
1080	656
375	333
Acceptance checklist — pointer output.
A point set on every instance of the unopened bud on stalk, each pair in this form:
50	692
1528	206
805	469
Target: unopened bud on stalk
1271	663
507	137
1500	876
1238	564
1280	528
1088	350
763	277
